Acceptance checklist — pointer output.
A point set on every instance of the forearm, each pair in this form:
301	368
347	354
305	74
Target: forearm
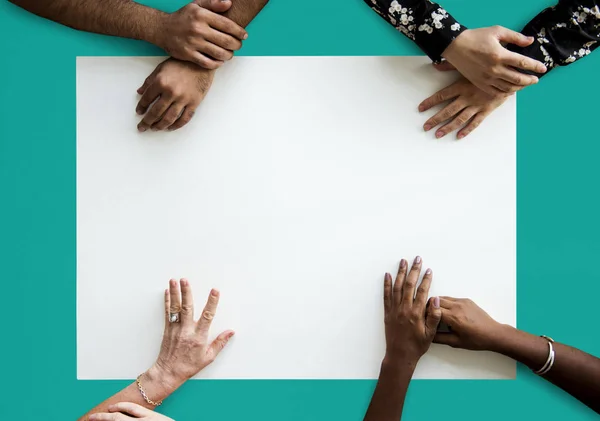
243	12
426	23
121	18
563	34
388	399
574	371
157	385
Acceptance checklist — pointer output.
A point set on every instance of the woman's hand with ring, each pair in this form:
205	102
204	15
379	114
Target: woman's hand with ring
186	348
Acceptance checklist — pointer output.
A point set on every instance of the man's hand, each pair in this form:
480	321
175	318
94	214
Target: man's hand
479	56
172	92
469	106
410	324
472	328
198	34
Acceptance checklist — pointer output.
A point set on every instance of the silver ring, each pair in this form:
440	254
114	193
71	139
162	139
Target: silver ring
174	317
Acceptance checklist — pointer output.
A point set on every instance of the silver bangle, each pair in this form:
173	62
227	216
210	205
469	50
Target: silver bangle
550	361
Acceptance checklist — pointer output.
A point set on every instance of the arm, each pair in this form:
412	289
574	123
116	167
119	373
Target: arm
410	325
179	86
184	352
574	371
564	33
422	21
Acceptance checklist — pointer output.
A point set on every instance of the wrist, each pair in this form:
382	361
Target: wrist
156	27
398	362
502	338
449	52
161	382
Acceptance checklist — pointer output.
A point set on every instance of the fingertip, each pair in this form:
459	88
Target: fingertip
388	277
214	292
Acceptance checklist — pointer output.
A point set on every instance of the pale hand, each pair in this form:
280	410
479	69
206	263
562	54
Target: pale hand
478	54
125	411
410	324
185	348
199	34
472	328
171	94
468	106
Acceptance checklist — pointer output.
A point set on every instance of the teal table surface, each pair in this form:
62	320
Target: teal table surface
558	222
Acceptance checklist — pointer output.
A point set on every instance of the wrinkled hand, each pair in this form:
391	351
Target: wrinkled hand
198	34
410	324
178	88
468	107
472	328
185	348
478	54
128	411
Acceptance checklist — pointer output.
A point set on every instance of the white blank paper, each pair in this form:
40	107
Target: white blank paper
299	183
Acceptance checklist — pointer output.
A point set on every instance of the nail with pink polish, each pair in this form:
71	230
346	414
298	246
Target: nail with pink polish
436	302
417	260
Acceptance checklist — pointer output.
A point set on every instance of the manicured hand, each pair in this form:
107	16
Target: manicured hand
128	411
472	328
410	324
199	34
171	94
478	54
467	108
185	348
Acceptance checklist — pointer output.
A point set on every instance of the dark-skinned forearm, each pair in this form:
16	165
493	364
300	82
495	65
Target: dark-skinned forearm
121	18
243	11
388	399
574	371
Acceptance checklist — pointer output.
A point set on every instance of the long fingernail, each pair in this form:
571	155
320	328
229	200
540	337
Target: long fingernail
427	127
439	134
436	302
388	277
418	260
403	264
428	272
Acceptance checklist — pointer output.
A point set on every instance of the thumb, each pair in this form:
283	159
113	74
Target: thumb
434	315
217	6
219	343
512	37
444	66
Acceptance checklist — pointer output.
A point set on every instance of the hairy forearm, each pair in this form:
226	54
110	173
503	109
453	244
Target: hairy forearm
243	11
574	371
156	383
121	18
388	399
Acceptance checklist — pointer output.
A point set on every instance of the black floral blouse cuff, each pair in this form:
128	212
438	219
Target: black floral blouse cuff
423	21
563	34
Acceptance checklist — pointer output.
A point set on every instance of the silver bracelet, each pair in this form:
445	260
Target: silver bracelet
550	361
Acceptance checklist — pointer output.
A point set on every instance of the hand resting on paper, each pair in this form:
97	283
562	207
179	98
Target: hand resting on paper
575	371
124	411
171	94
468	106
411	320
185	351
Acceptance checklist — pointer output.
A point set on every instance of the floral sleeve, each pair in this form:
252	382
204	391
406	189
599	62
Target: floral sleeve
563	33
423	21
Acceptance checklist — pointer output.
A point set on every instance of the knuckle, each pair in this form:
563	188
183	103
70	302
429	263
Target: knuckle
208	315
495	57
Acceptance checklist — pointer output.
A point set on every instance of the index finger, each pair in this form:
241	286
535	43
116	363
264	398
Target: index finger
228	26
525	63
208	314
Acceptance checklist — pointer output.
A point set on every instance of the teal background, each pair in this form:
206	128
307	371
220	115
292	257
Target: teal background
558	229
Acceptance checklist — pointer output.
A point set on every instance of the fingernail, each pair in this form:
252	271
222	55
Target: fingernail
154	129
214	292
418	260
460	136
388	277
436	302
246	36
166	292
427	127
403	264
439	134
428	272
542	69
184	282
92	417
142	129
138	111
230	335
173	283
421	107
